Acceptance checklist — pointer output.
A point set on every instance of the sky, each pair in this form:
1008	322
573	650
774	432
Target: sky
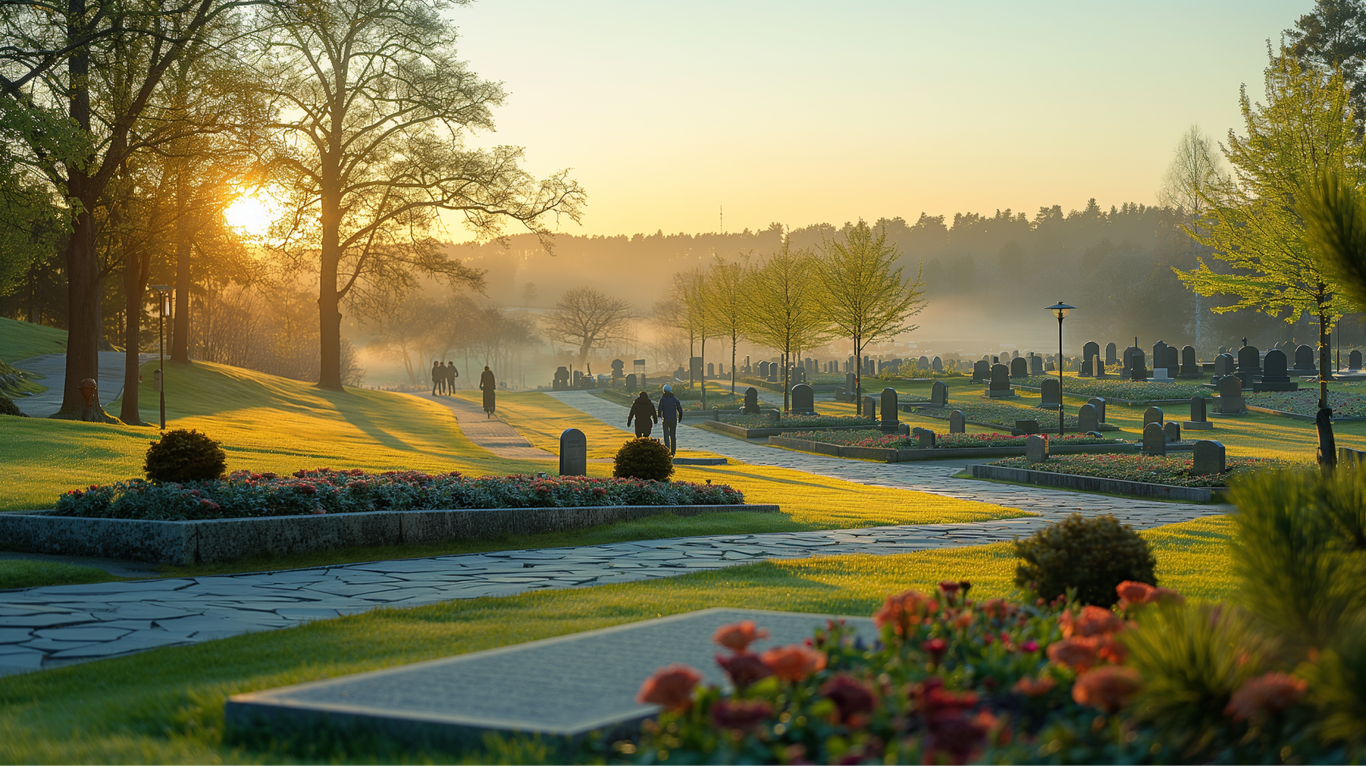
801	112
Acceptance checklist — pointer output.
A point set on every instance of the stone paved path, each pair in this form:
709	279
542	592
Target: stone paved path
46	627
490	433
53	367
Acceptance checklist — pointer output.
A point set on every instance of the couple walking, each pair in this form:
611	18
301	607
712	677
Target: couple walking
443	378
643	412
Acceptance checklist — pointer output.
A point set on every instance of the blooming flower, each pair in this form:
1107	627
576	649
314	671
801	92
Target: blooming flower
935	647
743	668
1265	695
1076	653
738	635
905	611
1034	687
852	699
740	714
793	663
670	688
1132	593
1092	621
1108	688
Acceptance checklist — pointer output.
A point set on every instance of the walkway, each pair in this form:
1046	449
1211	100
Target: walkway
53	368
490	433
47	627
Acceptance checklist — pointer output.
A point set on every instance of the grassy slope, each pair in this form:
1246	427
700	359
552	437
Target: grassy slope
166	705
21	340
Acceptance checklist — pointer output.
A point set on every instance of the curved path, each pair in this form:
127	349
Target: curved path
46	627
490	433
53	368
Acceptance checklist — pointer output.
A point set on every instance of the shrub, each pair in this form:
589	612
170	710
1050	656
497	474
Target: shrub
182	456
643	458
1092	555
7	407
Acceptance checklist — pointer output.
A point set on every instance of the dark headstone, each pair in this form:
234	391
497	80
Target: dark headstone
1110	358
1137	366
1224	364
1208	458
1086	419
1275	376
956	424
939	393
573	453
1190	366
1099	404
1159	356
869	408
925	437
1154	439
803	398
1090	348
850	383
711	369
561	381
981	372
937	364
1172	431
751	401
1249	365
1027	427
1050	394
1173	364
1354	360
1019	368
889	410
631	384
763	369
1087	367
1198	421
1152	415
1000	382
1231	396
1036	448
1304	361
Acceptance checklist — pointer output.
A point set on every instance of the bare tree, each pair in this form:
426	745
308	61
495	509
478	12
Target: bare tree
588	319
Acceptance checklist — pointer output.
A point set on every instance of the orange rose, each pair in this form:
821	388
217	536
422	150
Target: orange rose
1133	593
1109	688
1093	621
793	663
739	635
670	688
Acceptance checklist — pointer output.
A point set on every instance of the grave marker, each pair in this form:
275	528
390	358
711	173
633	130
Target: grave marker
981	372
939	394
803	399
1152	415
869	408
1019	367
889	410
1050	394
751	401
1000	383
1172	431
1304	361
1154	440
1190	366
1198	421
1099	404
937	364
956	422
1026	427
1231	396
1208	458
1110	358
1275	377
573	453
1036	448
1354	360
925	438
1086	419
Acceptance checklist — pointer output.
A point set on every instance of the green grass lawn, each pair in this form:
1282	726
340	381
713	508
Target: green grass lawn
21	573
21	340
166	705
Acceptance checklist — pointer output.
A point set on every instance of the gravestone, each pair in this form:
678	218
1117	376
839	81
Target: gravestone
1128	358
1000	383
1087	370
1159	356
1190	366
1086	419
1231	396
561	381
578	379
1036	448
617	367
1208	458
1099	404
1224	364
1026	427
925	438
573	453
1035	364
869	408
1015	354
889	410
1137	366
939	393
937	364
751	401
763	369
773	372
956	422
1019	368
1173	364
850	383
803	399
1198	421
1110	358
1275	376
632	383
1154	440
1088	350
1152	415
747	367
981	372
1354	360
923	362
1249	365
1172	431
1050	394
711	369
1304	361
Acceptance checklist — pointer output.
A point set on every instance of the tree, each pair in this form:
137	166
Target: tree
1252	224
1333	38
46	66
588	319
1194	176
727	303
694	295
783	306
865	297
373	112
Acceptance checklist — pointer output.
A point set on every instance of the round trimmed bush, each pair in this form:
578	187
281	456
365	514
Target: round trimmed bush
643	458
183	456
1092	555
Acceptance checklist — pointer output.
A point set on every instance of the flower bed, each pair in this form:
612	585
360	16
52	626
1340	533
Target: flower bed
998	681
1306	402
943	441
246	495
795	421
1124	389
1172	471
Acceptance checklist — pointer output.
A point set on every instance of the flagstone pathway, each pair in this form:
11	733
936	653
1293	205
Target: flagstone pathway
51	626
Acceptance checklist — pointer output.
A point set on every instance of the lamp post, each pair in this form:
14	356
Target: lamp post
1060	310
164	302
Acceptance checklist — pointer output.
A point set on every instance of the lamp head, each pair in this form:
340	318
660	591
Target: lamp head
1059	309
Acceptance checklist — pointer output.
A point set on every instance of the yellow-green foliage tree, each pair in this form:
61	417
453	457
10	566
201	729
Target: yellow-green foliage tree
865	297
784	308
1251	222
726	303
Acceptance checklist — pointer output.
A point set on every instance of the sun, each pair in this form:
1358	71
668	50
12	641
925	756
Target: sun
251	213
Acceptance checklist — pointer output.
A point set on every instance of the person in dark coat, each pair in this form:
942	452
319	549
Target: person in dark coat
490	388
643	412
437	378
670	411
451	375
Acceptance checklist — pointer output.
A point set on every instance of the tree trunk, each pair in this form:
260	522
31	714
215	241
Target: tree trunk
732	365
329	327
702	370
133	296
180	322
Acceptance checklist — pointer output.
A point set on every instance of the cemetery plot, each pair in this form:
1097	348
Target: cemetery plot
1149	469
942	441
1306	403
992	414
1121	390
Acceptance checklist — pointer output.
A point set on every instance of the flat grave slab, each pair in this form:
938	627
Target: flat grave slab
559	687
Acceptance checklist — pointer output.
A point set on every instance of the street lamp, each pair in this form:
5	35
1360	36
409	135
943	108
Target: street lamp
164	301
1060	310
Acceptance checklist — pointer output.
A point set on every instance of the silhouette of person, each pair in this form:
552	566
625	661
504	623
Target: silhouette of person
436	377
490	388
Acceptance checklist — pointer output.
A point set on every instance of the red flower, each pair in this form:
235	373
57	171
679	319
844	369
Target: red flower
1093	621
740	714
1034	687
670	688
1132	593
738	635
852	699
933	701
1030	646
743	668
793	663
1076	653
958	738
904	611
1265	695
935	647
1109	688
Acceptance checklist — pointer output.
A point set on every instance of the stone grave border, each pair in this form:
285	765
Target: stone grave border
1112	400
756	433
1293	415
884	455
210	541
1098	484
946	410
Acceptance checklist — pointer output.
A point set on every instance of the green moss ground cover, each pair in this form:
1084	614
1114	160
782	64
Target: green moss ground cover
1173	471
878	439
21	340
1306	402
23	573
1125	389
166	705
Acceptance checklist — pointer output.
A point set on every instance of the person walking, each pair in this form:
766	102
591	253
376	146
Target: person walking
670	411
490	388
438	377
643	412
451	375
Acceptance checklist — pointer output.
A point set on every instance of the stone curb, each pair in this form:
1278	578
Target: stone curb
758	433
883	455
220	540
1094	484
